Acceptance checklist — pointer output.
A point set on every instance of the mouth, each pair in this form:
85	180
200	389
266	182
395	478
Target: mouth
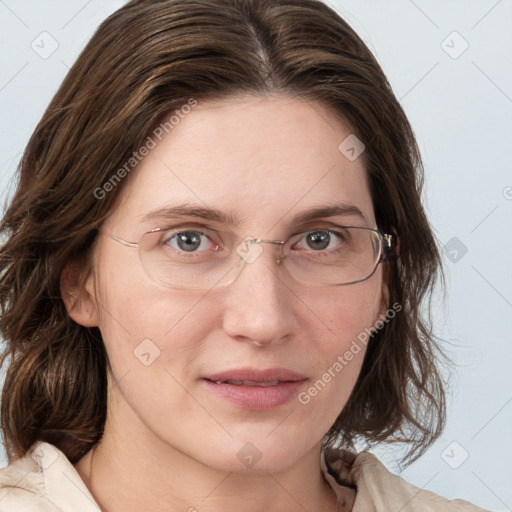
256	389
250	383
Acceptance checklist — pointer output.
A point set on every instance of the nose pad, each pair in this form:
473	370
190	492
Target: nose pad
251	248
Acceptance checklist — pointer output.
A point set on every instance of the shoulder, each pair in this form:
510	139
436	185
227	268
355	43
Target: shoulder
378	489
44	480
22	486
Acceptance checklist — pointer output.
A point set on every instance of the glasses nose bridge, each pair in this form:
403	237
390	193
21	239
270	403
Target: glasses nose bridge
264	241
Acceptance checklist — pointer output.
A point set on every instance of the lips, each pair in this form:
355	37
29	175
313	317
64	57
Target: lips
252	376
250	383
256	389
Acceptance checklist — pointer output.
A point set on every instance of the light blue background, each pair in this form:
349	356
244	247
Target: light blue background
461	111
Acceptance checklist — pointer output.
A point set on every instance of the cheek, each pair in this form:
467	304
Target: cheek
351	310
152	338
142	322
349	314
330	388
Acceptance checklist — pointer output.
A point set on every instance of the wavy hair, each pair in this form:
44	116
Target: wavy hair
146	60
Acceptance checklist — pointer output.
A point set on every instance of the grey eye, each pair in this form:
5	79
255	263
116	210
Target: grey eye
188	241
320	240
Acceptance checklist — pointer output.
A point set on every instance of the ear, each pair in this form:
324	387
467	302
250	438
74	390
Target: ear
79	296
383	306
381	316
384	303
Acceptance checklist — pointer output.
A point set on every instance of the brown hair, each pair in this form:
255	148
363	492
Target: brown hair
146	60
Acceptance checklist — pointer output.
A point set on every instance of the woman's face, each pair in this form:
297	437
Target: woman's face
263	161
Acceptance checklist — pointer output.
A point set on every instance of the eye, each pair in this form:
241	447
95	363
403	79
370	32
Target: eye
322	241
189	241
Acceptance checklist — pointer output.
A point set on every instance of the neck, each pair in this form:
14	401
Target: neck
133	476
120	479
132	469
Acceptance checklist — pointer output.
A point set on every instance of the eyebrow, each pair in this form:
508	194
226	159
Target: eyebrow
230	219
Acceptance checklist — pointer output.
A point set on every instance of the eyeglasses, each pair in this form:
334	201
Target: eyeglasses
201	259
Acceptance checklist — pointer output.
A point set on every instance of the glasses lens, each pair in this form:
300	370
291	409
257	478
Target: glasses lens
176	261
323	257
333	257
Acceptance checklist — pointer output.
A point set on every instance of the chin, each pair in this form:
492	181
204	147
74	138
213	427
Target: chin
260	455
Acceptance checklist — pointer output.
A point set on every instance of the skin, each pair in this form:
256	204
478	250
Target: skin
169	442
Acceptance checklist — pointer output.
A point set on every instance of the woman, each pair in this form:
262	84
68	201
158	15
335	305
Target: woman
213	271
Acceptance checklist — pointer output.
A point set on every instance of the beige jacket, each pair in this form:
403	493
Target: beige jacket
45	481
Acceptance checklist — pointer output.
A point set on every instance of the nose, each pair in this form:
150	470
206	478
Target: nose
260	305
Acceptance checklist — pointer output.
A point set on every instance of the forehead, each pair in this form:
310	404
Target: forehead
271	157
